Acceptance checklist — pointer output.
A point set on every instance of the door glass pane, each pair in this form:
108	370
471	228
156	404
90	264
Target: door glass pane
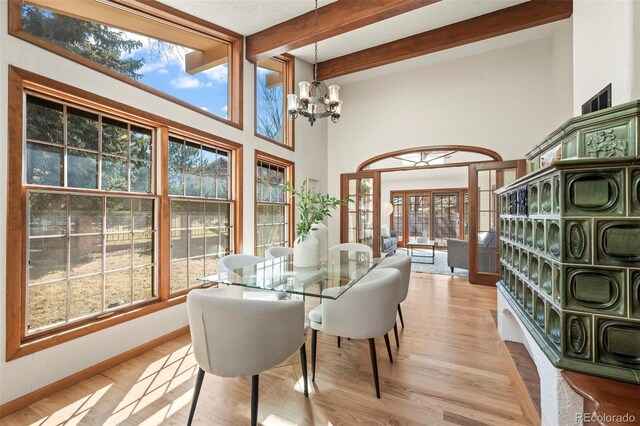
488	248
419	217
398	208
446	218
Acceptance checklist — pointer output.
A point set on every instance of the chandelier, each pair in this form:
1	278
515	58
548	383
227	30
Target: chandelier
316	100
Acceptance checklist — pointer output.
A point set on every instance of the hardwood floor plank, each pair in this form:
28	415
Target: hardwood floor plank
448	370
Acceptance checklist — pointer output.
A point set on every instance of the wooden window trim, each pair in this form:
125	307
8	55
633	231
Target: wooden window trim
174	17
21	80
290	167
405	194
288	86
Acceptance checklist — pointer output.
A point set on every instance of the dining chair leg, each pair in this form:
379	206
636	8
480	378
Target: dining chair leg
254	399
374	364
395	331
303	364
196	394
338	341
314	343
400	313
386	341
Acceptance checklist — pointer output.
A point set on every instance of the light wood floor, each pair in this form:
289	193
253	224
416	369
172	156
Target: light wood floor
447	371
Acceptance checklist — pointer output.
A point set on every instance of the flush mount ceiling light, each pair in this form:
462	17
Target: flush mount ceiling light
316	100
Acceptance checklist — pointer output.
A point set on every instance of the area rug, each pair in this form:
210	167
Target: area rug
439	265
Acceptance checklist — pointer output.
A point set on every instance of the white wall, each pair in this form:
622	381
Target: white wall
499	100
31	372
454	177
606	49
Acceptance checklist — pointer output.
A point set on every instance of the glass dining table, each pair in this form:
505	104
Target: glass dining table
329	280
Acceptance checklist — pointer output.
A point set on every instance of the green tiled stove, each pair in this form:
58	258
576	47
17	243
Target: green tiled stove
570	244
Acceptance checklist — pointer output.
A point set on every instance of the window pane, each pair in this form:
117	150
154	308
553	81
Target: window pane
44	165
142	214
222	165
179	275
86	255
82	169
212	211
47	305
179	214
269	99
44	120
176	181
143	284
118	251
140	143
114	137
114	173
193	156
196	215
47	259
118	214
82	129
140	176
143	249
212	241
85	296
86	214
208	186
209	160
196	270
179	244
117	289
47	214
196	242
193	183
223	187
176	152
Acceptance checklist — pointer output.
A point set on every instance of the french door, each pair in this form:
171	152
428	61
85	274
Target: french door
484	247
360	217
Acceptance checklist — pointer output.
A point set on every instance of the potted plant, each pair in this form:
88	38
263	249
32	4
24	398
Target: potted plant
310	245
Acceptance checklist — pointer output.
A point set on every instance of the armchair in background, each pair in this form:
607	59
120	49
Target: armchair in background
388	240
458	252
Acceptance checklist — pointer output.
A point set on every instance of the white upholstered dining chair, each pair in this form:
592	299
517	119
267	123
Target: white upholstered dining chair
275	252
402	264
234	337
365	311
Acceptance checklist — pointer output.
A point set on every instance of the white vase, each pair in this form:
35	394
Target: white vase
305	252
321	233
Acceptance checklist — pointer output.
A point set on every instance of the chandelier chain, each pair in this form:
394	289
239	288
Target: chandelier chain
315	37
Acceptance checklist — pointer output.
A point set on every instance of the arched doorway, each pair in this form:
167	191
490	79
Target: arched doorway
473	209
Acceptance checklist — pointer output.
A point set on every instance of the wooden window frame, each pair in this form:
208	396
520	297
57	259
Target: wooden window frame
290	167
20	81
173	17
405	194
288	86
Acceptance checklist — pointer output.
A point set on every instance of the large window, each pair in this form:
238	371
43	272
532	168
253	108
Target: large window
273	205
88	252
184	61
274	79
201	225
436	215
114	212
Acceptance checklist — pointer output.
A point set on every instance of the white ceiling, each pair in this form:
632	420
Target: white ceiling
245	16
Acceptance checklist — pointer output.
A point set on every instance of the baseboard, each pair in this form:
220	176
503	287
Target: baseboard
28	399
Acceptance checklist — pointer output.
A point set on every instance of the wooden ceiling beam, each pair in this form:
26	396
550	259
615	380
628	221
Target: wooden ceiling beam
501	22
333	19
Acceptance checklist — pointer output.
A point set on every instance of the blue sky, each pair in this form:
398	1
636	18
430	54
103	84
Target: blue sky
206	90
